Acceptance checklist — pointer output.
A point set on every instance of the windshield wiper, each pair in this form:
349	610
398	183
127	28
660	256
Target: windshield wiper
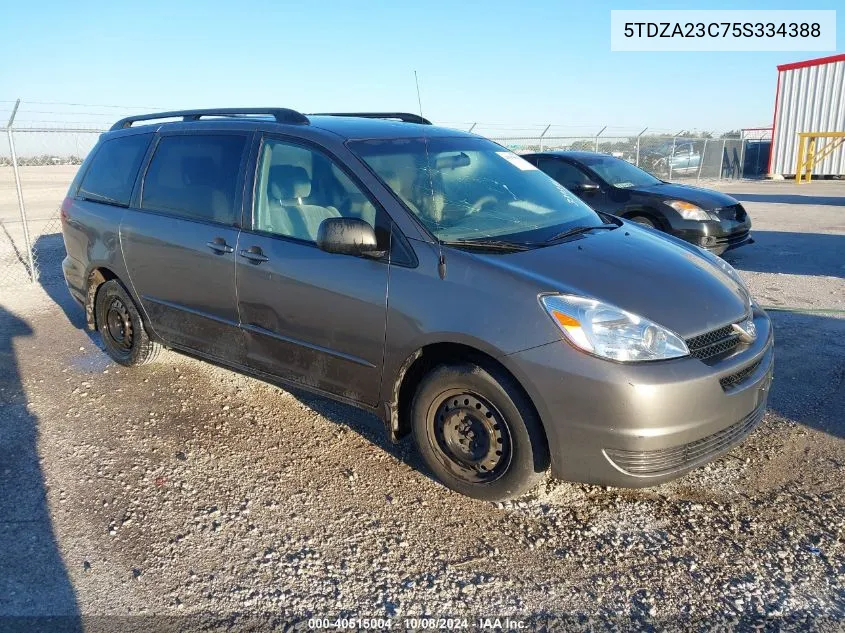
490	245
579	229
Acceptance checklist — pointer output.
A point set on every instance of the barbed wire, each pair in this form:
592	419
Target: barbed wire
52	111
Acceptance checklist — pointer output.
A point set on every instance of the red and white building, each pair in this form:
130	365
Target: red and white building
810	97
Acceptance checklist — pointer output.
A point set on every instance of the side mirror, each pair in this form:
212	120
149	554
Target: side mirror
587	188
348	236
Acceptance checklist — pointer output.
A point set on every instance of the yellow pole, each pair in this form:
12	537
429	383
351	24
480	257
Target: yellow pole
799	162
811	158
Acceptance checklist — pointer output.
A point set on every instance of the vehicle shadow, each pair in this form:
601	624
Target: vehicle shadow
366	424
815	254
809	385
35	590
50	249
789	198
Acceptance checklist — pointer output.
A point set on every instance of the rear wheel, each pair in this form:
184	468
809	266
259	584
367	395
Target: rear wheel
121	328
478	433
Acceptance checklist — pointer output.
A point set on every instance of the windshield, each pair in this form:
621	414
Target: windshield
619	173
471	188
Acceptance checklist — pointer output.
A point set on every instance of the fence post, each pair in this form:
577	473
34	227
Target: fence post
597	138
637	163
543	134
701	159
672	157
32	272
722	157
742	159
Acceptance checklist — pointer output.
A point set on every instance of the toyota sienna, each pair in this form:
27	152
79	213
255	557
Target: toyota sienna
427	275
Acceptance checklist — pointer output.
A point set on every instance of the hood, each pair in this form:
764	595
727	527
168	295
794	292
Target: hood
637	270
704	198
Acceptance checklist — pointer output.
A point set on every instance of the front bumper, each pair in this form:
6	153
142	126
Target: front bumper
637	425
729	242
716	237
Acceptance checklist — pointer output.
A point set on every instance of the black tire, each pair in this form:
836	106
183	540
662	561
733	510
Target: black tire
454	405
644	221
121	328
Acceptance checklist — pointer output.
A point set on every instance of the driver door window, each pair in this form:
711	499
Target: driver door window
566	174
297	188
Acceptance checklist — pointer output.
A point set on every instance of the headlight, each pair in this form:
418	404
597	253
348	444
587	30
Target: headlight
688	210
609	332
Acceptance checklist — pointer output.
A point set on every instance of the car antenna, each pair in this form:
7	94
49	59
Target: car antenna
441	260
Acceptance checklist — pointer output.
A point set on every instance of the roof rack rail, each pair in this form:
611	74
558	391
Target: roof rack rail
405	117
282	115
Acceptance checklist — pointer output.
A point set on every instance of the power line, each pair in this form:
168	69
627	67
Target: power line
39	121
90	105
71	112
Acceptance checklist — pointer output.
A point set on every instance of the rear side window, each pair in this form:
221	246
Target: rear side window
113	169
195	177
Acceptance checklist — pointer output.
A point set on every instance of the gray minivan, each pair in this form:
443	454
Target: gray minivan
431	277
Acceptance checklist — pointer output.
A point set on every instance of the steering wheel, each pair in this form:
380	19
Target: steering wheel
483	200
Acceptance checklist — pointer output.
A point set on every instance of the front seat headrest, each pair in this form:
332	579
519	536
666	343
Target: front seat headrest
288	182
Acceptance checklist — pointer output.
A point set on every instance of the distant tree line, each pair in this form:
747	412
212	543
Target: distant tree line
42	159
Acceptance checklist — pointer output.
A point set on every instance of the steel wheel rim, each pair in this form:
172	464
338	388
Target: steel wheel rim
119	325
470	436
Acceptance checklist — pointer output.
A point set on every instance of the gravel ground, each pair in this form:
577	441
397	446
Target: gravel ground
183	489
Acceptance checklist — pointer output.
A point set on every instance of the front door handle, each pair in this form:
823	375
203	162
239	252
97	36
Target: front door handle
254	254
219	245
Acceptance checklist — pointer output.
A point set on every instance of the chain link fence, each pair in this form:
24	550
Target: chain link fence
40	163
677	158
37	166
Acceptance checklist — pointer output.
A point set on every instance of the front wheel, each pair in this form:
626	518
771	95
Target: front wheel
644	221
121	328
478	433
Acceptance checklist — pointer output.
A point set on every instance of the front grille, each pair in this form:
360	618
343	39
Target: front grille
713	343
734	212
734	380
668	460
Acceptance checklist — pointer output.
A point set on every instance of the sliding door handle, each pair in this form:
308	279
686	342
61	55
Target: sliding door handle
254	254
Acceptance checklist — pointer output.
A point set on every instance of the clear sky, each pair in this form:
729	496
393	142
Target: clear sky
515	64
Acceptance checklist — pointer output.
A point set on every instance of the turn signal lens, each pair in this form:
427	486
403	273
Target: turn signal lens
572	327
564	319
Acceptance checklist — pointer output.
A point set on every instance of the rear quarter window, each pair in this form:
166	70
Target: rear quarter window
113	169
195	177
